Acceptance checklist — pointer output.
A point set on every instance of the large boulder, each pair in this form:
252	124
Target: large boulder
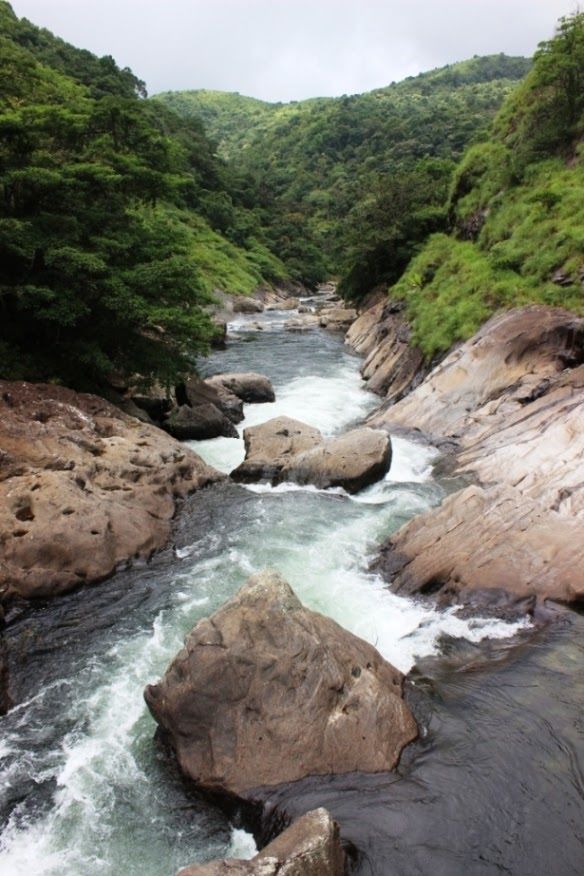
266	691
248	386
352	461
199	423
195	392
283	449
283	304
83	488
270	446
311	846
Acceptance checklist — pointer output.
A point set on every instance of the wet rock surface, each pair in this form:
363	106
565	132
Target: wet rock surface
284	449
309	847
83	488
512	401
199	423
266	691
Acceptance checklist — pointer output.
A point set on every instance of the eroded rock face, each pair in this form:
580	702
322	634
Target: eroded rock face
266	691
392	364
249	386
512	398
195	392
284	449
311	846
83	488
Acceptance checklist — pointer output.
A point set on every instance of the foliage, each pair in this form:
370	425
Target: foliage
107	250
327	174
517	209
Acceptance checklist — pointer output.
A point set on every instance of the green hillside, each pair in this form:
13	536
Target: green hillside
349	185
516	208
116	220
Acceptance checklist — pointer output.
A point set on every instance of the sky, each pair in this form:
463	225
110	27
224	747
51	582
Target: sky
281	50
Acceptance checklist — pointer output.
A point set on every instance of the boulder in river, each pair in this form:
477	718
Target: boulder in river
195	392
249	386
199	423
337	319
311	846
284	449
83	488
266	691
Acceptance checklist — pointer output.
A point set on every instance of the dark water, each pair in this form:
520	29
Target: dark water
495	784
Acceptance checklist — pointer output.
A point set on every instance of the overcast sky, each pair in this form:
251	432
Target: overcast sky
292	49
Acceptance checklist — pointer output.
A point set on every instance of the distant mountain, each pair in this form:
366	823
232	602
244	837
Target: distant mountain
325	171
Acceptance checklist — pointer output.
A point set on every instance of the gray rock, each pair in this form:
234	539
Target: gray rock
198	424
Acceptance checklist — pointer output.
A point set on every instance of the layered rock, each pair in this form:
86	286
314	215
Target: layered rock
392	364
311	846
284	449
266	691
83	488
248	386
512	400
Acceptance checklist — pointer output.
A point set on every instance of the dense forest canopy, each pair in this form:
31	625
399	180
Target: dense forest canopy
351	185
116	220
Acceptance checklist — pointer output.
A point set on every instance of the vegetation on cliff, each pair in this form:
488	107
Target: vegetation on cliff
516	208
116	220
350	185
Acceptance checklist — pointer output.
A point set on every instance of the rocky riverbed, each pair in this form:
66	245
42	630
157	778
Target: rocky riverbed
84	782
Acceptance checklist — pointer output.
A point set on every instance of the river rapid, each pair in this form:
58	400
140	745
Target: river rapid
495	782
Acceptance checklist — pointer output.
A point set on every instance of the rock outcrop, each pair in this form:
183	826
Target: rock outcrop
266	692
511	399
392	364
249	387
244	304
311	846
83	488
283	449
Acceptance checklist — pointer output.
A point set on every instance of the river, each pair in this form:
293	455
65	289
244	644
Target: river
495	782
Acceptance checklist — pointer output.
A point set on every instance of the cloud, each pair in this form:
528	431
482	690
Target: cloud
292	49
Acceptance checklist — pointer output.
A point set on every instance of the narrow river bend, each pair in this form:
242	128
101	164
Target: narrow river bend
495	783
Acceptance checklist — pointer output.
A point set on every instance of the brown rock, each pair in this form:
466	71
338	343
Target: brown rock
337	318
353	461
517	413
269	446
249	387
83	488
266	691
311	846
283	449
283	304
247	305
302	323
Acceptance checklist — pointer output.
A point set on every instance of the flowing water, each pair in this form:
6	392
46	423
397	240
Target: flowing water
85	791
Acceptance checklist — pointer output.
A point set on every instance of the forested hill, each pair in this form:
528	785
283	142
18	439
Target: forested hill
349	185
116	220
516	208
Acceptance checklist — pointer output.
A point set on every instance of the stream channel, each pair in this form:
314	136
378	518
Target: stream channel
495	783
